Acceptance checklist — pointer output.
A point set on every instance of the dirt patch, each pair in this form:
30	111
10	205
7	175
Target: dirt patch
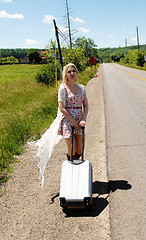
30	212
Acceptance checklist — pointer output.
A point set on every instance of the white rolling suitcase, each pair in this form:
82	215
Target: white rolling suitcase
76	181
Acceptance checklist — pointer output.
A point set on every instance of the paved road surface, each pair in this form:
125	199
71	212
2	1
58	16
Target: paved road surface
125	111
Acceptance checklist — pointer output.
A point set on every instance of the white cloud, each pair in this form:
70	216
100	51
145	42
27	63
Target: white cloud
48	19
123	29
6	1
63	29
111	36
30	41
76	19
85	30
4	14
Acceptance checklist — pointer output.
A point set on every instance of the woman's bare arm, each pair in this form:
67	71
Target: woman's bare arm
85	109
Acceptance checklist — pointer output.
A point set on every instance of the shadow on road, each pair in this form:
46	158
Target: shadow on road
111	186
98	203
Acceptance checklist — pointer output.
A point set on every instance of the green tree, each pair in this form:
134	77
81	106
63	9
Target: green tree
52	51
33	55
17	53
89	46
138	57
117	55
135	57
76	56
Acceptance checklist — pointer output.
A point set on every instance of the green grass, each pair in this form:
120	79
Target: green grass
136	67
26	109
16	72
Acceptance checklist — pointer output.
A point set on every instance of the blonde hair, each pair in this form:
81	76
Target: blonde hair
65	69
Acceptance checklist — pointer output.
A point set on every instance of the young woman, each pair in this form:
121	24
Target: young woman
72	110
73	104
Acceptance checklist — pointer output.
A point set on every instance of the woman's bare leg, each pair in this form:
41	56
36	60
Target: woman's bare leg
68	142
78	144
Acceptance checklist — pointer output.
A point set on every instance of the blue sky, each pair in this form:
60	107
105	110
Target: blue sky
29	23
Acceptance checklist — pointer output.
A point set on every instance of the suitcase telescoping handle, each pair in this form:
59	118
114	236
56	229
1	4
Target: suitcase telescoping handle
83	130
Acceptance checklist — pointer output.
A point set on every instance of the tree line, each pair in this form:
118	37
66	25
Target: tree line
81	51
17	53
124	55
88	44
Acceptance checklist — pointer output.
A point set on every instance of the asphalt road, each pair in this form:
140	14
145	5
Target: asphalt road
125	114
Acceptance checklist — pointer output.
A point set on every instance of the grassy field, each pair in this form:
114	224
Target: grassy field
26	109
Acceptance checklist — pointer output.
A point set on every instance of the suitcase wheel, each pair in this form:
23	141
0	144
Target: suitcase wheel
87	201
62	202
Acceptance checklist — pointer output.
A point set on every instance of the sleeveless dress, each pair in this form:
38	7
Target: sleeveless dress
74	103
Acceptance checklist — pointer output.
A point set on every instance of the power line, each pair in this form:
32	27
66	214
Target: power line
63	36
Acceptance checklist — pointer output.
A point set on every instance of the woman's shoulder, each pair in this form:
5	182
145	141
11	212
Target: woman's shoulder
80	86
62	93
62	87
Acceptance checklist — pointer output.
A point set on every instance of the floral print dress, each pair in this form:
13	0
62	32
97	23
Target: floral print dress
73	105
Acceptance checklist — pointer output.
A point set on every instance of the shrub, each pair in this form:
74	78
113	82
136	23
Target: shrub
8	60
134	57
138	57
47	74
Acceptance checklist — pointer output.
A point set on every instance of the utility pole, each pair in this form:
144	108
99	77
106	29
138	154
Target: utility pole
57	37
126	46
68	21
137	37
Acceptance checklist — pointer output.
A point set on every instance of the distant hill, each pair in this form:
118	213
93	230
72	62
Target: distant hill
107	52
